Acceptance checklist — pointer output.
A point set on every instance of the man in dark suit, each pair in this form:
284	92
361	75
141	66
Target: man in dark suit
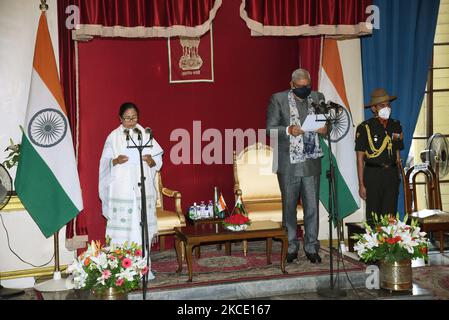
297	160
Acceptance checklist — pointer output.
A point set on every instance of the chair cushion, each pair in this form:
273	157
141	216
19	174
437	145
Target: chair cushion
167	220
269	211
255	176
439	217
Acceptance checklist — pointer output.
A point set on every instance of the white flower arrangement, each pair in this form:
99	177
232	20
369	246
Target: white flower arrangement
391	240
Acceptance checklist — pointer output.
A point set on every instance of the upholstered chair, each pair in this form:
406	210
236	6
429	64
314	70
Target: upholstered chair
258	186
167	220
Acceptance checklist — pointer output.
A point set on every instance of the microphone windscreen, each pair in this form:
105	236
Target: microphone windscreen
137	130
126	131
148	130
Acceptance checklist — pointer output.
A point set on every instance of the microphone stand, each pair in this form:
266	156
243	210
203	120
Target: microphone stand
143	206
332	291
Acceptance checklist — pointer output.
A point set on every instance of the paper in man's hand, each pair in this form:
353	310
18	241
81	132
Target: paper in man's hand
313	122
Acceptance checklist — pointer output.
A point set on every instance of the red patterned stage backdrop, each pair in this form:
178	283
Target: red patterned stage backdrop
191	59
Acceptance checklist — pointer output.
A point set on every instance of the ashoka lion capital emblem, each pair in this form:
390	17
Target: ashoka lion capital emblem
190	59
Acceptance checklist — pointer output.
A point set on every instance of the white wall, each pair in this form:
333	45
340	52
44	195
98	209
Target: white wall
351	60
18	27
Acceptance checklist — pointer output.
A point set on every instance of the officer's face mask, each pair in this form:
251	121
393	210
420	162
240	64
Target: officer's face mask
384	113
302	92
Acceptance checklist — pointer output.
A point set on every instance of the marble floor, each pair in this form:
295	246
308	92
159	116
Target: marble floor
435	258
352	286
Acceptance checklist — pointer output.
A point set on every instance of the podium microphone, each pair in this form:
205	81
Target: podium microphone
138	132
126	132
333	105
149	132
320	107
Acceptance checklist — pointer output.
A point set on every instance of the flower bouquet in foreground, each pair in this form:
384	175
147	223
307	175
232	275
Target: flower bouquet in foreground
391	240
100	268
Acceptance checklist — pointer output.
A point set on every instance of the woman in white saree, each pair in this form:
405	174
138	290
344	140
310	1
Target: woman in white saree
119	179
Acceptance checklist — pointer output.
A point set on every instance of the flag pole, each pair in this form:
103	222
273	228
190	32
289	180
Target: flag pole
57	283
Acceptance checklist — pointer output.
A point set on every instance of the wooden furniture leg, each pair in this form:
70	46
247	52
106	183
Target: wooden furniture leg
198	252
162	243
228	248
179	253
189	248
268	249
284	253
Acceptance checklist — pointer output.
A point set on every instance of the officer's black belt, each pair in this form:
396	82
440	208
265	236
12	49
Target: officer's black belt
380	165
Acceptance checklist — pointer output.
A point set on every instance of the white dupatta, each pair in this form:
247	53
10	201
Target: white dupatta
119	191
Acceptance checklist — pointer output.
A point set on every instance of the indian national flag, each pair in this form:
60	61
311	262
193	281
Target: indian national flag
332	85
239	208
47	179
221	204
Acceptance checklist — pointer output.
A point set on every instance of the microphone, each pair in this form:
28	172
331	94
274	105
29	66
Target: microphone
149	132
333	105
138	132
126	132
321	107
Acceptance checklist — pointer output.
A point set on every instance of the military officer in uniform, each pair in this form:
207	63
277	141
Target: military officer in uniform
378	142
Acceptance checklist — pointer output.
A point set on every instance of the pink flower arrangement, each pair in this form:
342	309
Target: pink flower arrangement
100	268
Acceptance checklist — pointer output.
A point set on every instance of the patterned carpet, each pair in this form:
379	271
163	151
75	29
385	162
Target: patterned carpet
433	278
215	267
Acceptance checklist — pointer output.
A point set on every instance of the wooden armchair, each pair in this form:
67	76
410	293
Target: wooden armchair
432	219
258	185
432	188
167	220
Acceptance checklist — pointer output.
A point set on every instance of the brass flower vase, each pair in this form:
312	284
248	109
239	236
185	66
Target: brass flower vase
396	276
111	294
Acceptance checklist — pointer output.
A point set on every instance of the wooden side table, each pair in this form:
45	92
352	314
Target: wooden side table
193	236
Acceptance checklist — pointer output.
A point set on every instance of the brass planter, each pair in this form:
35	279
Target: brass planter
396	276
111	294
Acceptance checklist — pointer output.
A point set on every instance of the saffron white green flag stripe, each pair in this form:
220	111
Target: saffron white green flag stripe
332	85
47	179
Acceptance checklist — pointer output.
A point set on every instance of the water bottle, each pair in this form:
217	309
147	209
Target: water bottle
210	210
202	210
195	211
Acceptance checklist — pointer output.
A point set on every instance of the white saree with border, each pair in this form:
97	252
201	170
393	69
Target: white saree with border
119	190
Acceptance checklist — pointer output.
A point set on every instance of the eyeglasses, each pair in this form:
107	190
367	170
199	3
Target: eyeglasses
129	118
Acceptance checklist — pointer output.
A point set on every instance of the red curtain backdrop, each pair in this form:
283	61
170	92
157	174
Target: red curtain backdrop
145	18
125	13
306	17
146	13
67	76
310	57
247	71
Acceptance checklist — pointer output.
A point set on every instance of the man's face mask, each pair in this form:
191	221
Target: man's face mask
384	113
302	92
